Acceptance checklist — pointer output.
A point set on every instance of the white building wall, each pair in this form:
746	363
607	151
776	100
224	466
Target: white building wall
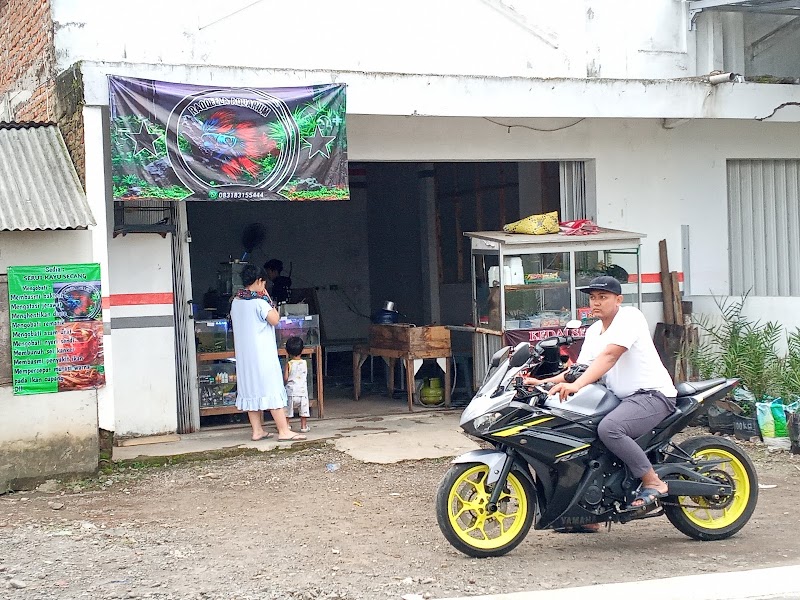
21	248
649	179
142	326
569	38
458	62
45	435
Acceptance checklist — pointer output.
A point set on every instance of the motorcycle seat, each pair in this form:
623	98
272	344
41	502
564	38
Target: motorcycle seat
682	404
689	388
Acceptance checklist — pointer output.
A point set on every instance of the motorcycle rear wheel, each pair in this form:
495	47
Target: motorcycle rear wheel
717	518
461	511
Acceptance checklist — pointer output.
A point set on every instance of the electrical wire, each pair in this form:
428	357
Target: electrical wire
350	305
509	127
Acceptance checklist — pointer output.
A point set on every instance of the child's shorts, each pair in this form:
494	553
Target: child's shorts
300	403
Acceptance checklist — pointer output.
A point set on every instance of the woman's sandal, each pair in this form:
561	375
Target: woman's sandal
295	438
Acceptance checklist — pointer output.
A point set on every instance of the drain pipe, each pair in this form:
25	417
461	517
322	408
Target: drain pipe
718	78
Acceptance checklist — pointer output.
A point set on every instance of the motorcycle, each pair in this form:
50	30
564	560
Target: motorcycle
547	468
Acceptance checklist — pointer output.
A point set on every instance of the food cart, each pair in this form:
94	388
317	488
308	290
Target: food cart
533	295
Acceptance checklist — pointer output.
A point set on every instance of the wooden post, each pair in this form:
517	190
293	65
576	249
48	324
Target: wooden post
677	305
666	284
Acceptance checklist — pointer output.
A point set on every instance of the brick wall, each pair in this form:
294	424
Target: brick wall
30	88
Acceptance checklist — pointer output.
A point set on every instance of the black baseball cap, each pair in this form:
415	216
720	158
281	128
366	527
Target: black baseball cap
604	283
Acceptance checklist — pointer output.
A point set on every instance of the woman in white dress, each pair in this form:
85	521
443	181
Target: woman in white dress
259	379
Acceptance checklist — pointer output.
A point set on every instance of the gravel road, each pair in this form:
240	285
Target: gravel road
313	523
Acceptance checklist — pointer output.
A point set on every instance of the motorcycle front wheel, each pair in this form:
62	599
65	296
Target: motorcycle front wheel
465	521
717	517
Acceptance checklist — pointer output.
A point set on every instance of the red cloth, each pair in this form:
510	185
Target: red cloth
578	227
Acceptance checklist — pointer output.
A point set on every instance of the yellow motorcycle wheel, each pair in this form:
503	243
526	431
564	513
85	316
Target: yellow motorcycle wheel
465	521
718	517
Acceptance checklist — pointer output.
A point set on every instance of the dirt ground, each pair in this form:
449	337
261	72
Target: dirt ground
314	523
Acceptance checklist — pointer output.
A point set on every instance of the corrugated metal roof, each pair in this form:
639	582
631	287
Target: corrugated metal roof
39	188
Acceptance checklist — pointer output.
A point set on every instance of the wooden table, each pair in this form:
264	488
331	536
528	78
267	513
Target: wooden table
412	345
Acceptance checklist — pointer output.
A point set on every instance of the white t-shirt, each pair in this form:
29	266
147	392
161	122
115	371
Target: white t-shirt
297	384
639	368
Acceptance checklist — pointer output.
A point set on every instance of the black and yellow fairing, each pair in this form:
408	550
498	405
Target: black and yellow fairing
558	446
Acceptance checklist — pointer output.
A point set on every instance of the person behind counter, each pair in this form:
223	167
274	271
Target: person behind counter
259	380
279	286
273	268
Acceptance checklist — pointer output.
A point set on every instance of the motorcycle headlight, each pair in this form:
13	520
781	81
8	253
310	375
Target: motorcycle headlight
485	422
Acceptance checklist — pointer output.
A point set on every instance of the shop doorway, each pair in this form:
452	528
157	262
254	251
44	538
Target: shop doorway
399	238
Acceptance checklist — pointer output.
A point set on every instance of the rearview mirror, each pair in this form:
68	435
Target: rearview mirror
498	356
522	352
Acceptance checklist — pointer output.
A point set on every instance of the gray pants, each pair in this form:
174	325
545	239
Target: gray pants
636	415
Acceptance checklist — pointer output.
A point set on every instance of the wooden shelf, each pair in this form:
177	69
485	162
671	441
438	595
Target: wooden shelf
230	410
218	410
209	356
313	351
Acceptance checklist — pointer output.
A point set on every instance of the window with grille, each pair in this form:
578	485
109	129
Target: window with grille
764	227
143	216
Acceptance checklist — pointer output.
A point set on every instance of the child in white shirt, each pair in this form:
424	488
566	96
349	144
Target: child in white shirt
295	375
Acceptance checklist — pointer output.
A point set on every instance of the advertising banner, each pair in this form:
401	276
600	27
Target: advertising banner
174	141
512	337
56	328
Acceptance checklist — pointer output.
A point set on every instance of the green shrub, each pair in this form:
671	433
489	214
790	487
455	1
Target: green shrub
735	346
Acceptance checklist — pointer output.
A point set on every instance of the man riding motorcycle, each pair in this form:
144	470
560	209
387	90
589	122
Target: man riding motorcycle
618	347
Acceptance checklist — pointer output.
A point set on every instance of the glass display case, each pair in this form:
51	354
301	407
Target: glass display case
536	287
215	335
216	363
217	383
306	327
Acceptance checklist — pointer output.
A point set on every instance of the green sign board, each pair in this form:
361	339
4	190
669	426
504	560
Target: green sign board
56	328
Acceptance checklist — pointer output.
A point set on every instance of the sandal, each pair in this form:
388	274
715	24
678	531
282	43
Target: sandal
647	497
295	438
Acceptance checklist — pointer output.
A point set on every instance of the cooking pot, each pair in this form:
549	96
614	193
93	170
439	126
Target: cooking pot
386	315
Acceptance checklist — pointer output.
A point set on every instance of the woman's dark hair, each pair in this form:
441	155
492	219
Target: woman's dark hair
294	346
252	273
